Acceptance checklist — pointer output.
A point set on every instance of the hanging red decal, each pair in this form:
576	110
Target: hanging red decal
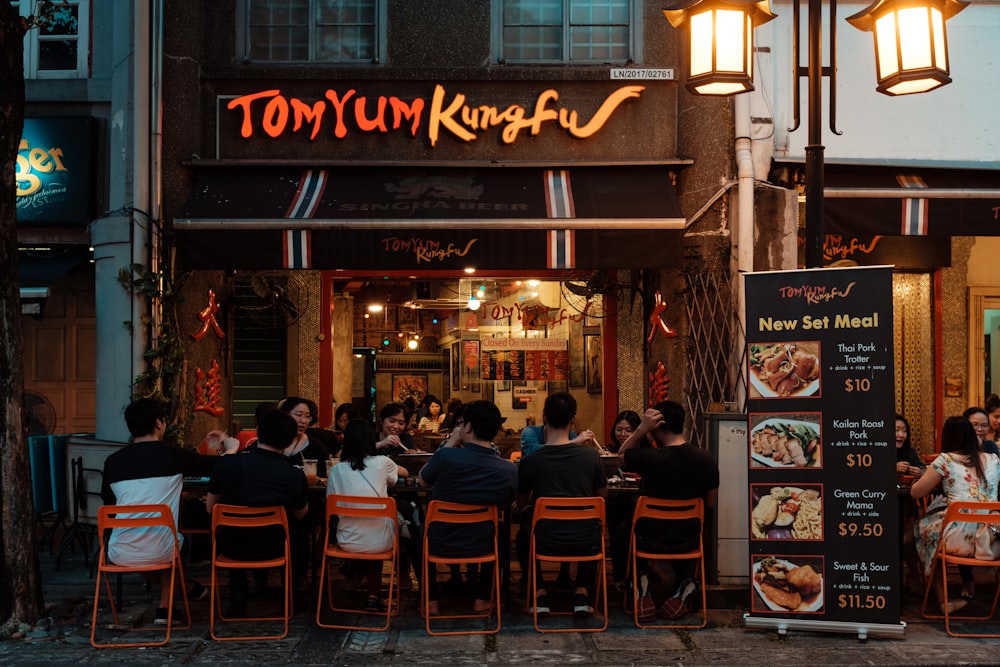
208	390
656	320
207	317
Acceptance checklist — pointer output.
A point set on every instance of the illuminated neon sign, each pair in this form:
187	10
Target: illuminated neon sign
273	114
52	178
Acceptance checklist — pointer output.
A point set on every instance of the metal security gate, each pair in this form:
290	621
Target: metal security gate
717	352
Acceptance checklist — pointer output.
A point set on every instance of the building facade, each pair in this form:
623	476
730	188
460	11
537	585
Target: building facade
313	163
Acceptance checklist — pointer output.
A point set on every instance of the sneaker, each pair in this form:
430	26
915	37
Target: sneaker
161	617
196	591
581	604
679	604
646	609
541	604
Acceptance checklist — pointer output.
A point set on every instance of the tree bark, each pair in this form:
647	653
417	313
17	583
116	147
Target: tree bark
20	579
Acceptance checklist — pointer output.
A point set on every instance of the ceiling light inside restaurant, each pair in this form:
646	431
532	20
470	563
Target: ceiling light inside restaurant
473	303
375	308
412	344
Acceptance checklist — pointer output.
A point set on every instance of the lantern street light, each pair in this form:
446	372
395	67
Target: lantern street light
911	53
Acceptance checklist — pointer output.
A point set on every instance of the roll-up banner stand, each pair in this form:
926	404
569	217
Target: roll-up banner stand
823	501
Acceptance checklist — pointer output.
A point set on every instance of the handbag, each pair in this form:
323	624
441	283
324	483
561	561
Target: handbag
987	542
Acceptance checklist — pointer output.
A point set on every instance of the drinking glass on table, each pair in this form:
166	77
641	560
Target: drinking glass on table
309	468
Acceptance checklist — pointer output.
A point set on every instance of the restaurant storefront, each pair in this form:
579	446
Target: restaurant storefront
586	224
938	228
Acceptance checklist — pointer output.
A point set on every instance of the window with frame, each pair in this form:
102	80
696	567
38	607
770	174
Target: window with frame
579	31
57	48
317	31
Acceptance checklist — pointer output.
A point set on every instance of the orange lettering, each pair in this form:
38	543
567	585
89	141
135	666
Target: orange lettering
275	116
401	109
603	113
366	125
313	115
444	117
244	101
340	130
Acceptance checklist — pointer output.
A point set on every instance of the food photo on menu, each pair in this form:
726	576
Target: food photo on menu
787	584
784	370
787	512
785	440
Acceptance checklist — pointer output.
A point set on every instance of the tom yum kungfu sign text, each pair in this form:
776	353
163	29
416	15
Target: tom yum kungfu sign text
824	523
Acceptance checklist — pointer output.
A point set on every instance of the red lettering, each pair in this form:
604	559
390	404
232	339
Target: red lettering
313	115
366	125
340	130
411	112
275	116
243	102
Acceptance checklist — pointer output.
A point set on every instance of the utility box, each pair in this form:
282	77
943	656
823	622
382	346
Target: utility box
729	533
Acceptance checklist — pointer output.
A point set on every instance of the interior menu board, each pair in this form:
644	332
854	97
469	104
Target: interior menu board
524	359
824	534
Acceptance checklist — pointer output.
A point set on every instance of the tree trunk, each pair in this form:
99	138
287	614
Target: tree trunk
20	581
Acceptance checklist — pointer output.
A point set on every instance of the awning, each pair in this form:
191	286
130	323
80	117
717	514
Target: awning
39	267
899	201
410	218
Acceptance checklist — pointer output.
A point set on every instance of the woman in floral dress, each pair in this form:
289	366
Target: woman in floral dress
963	473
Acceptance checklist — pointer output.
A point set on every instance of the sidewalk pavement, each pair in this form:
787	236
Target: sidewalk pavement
64	637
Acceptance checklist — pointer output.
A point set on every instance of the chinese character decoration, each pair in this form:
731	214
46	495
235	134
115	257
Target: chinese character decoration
659	384
208	390
207	317
656	320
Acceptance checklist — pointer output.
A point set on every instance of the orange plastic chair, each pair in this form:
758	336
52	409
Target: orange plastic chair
963	512
140	517
568	509
667	510
362	507
238	516
443	512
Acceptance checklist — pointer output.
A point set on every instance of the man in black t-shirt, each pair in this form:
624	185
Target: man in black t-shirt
466	470
676	470
561	469
261	477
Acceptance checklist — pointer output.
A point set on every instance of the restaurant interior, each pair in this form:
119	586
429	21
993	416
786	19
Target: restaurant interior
509	340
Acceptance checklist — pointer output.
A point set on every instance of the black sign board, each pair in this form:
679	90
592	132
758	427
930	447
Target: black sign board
824	524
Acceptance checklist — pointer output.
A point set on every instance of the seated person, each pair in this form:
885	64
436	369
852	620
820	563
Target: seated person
562	469
150	472
676	470
391	436
260	478
341	418
219	442
431	422
361	473
465	469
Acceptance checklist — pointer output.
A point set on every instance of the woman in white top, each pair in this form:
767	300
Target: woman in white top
363	473
435	415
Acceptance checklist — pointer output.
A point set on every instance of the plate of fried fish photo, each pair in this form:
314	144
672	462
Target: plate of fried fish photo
786	586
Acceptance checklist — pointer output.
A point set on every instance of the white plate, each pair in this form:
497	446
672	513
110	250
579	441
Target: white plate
765	390
775	421
815	605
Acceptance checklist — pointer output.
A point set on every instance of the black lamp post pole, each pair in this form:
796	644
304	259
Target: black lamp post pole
815	235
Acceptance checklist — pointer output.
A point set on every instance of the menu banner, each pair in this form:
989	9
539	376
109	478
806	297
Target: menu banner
524	359
824	521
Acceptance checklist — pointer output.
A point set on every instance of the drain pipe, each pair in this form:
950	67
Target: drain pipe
744	230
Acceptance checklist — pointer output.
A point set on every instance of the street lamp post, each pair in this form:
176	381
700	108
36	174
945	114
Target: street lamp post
911	54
